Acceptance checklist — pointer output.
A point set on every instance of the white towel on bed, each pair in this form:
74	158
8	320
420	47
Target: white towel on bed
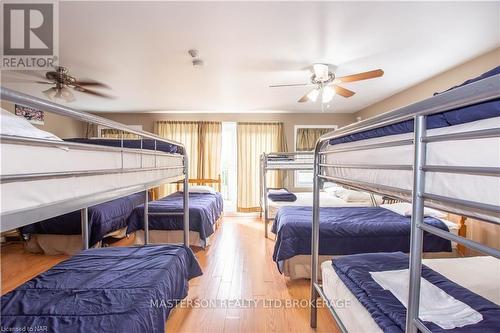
435	304
278	191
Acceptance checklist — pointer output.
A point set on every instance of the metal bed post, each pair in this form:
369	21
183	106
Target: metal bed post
261	197
186	198
264	186
415	263
84	213
146	218
315	237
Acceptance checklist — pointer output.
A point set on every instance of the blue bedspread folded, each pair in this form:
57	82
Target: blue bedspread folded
103	219
131	143
281	195
118	289
348	230
467	114
204	210
384	307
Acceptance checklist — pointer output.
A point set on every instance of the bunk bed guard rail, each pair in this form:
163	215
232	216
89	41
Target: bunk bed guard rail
477	92
20	218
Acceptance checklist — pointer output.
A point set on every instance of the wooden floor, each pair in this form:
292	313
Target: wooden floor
237	266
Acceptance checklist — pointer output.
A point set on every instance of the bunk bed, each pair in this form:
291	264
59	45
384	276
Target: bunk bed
446	156
291	162
44	177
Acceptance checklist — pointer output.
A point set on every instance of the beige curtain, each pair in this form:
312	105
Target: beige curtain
209	152
307	137
203	143
253	140
90	130
111	133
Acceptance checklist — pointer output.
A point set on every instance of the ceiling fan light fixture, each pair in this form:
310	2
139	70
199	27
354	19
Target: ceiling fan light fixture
313	95
321	72
327	94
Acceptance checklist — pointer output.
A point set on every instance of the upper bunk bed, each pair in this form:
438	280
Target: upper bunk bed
43	176
442	152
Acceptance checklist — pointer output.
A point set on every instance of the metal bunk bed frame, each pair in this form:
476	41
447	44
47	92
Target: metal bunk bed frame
265	166
477	92
24	217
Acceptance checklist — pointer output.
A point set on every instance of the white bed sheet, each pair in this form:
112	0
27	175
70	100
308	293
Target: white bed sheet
306	199
357	319
479	152
24	159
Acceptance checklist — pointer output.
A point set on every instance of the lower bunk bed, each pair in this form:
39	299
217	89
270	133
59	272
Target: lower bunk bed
349	230
62	234
166	221
118	289
369	292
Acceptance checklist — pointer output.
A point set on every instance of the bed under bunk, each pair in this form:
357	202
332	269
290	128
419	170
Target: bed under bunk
62	234
445	154
351	230
114	288
165	217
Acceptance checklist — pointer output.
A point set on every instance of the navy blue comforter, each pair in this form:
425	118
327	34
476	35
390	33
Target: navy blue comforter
103	219
384	307
118	289
463	115
131	143
348	230
204	210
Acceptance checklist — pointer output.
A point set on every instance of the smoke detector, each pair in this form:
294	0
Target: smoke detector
196	61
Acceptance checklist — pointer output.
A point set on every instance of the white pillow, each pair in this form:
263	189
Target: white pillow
353	196
17	126
405	208
201	189
333	189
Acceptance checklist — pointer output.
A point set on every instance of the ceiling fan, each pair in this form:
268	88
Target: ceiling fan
63	81
327	85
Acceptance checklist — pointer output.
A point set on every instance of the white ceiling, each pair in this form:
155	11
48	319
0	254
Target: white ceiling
140	50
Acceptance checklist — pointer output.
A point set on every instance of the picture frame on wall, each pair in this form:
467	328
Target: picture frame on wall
34	116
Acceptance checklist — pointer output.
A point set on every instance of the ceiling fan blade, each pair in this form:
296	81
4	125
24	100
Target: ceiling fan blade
306	98
362	76
90	83
91	92
290	85
343	91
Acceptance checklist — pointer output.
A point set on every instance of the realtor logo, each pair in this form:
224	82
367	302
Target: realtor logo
29	35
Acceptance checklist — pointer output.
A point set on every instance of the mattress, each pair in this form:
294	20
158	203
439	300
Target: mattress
306	199
302	164
478	152
171	237
45	198
356	317
63	244
117	289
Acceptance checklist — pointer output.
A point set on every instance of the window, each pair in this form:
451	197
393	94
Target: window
229	166
305	137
